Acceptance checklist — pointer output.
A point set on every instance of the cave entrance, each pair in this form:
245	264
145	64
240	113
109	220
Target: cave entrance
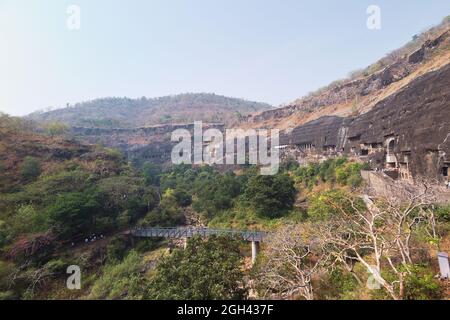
364	152
391	146
445	171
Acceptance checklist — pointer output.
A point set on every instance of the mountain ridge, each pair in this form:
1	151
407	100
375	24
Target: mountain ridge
142	112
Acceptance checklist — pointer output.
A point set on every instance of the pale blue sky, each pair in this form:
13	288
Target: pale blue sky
266	50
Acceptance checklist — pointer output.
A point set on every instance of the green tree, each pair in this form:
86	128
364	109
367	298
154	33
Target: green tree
73	214
421	285
184	199
327	204
167	214
26	219
443	214
151	173
216	192
56	128
206	270
124	193
270	196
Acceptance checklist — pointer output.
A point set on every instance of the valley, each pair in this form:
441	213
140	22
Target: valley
358	209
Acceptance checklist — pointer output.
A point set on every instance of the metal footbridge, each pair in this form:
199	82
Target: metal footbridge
188	232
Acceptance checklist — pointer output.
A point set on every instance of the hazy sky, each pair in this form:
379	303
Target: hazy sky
273	51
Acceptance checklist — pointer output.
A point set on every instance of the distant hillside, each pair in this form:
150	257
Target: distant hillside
132	113
19	142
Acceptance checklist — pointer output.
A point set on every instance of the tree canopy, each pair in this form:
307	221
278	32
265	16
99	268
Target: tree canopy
205	270
270	196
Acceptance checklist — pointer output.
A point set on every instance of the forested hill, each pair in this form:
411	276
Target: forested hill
129	113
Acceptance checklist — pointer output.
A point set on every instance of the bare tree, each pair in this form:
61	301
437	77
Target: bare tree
289	264
379	234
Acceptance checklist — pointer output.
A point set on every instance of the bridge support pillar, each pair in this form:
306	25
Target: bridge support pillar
255	250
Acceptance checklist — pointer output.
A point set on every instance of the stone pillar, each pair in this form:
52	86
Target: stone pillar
185	243
255	250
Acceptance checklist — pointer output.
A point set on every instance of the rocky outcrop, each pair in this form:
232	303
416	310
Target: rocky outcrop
380	184
408	130
146	144
323	133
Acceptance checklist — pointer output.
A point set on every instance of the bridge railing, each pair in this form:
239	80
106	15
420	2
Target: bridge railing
187	232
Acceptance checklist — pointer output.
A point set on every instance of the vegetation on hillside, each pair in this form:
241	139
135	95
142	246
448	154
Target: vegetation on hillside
131	113
56	193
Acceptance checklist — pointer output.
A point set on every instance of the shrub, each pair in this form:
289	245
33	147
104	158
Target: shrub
30	168
35	248
354	180
121	281
116	249
443	214
338	285
27	220
327	204
183	198
420	284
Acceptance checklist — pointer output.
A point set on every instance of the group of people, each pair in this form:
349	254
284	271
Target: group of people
91	238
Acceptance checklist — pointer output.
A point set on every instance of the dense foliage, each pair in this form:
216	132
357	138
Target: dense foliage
334	171
205	270
270	196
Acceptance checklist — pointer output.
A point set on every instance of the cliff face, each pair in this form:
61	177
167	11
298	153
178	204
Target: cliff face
418	118
408	132
146	144
321	133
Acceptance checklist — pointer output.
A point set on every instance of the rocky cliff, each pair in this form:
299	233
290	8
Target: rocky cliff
409	131
145	144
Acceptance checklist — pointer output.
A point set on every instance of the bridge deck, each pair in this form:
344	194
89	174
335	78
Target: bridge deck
186	232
